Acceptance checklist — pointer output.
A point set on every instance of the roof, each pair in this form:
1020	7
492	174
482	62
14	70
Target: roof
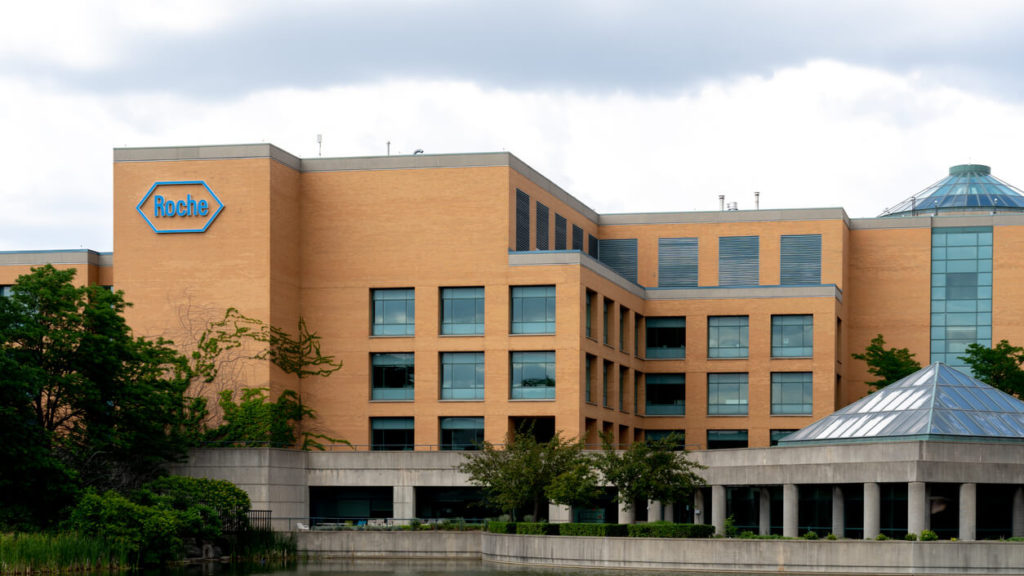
968	188
935	403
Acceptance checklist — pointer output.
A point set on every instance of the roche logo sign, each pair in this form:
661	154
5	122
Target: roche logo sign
180	207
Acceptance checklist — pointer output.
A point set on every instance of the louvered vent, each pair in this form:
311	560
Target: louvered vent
522	221
677	262
738	260
577	237
542	227
801	259
620	255
560	225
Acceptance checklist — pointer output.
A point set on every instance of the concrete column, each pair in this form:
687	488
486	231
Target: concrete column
1018	512
626	516
700	515
404	504
968	511
764	512
718	509
917	507
872	510
668	512
559	514
653	511
790	510
838	512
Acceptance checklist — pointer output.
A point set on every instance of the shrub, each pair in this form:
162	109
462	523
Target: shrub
810	535
831	536
730	527
540	528
669	530
881	537
910	536
499	527
928	535
581	529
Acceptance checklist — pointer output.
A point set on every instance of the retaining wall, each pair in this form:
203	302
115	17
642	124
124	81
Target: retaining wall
715	555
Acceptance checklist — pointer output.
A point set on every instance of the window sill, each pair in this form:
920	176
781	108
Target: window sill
461	335
531	333
728	415
461	400
807	415
392	335
792	357
390	401
531	399
729	358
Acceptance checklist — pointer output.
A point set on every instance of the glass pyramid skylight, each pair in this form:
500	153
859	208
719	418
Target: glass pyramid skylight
934	403
968	188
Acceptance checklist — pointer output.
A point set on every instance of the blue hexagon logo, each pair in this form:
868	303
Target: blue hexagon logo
179	207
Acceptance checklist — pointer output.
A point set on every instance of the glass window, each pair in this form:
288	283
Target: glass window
462	311
590	313
666	337
394	312
533	309
718	439
791	393
392	376
727	394
392	434
728	336
462	433
604	383
590	376
533	375
608	306
793	336
623	327
679	435
623	380
666	395
777	435
462	375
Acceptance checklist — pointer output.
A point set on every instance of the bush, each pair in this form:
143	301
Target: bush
538	528
581	529
499	527
670	530
910	536
881	537
831	536
928	536
810	535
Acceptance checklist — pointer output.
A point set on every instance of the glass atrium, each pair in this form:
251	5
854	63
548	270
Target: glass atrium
968	188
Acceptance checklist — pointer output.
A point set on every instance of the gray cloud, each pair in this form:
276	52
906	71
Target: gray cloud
642	46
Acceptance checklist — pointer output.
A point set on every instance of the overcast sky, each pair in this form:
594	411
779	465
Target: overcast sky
633	106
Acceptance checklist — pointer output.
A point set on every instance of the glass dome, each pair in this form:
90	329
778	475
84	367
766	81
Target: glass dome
936	402
968	188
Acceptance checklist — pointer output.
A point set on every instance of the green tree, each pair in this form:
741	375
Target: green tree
999	366
85	403
254	418
650	470
888	364
517	477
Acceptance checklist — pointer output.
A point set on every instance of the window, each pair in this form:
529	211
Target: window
462	433
590	313
638	380
533	309
727	336
522	221
462	311
800	259
392	434
533	375
678	435
392	376
590	377
462	375
666	337
677	262
623	327
666	395
738	260
727	394
394	312
638	321
777	435
608	307
560	235
623	380
604	383
6	290
791	393
719	439
542	227
793	336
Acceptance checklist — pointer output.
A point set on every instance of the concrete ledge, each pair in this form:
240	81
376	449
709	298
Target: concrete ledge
714	555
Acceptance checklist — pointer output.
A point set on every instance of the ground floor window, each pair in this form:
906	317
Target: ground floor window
392	433
727	439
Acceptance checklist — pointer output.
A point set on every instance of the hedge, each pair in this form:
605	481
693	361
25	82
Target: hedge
501	527
580	529
539	528
670	530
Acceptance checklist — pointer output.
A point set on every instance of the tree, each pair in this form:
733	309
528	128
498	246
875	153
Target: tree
254	419
85	403
649	470
999	366
889	364
517	477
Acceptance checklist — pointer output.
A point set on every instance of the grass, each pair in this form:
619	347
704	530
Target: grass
62	553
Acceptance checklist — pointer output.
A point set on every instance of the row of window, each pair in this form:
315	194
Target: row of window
467	433
462	311
462	376
561	229
792	394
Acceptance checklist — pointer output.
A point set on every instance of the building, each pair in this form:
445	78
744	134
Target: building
468	295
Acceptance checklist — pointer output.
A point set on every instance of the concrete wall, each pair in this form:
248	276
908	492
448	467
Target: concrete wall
840	557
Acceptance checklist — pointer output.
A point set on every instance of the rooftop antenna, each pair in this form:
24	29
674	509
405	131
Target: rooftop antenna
757	200
319	144
721	202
